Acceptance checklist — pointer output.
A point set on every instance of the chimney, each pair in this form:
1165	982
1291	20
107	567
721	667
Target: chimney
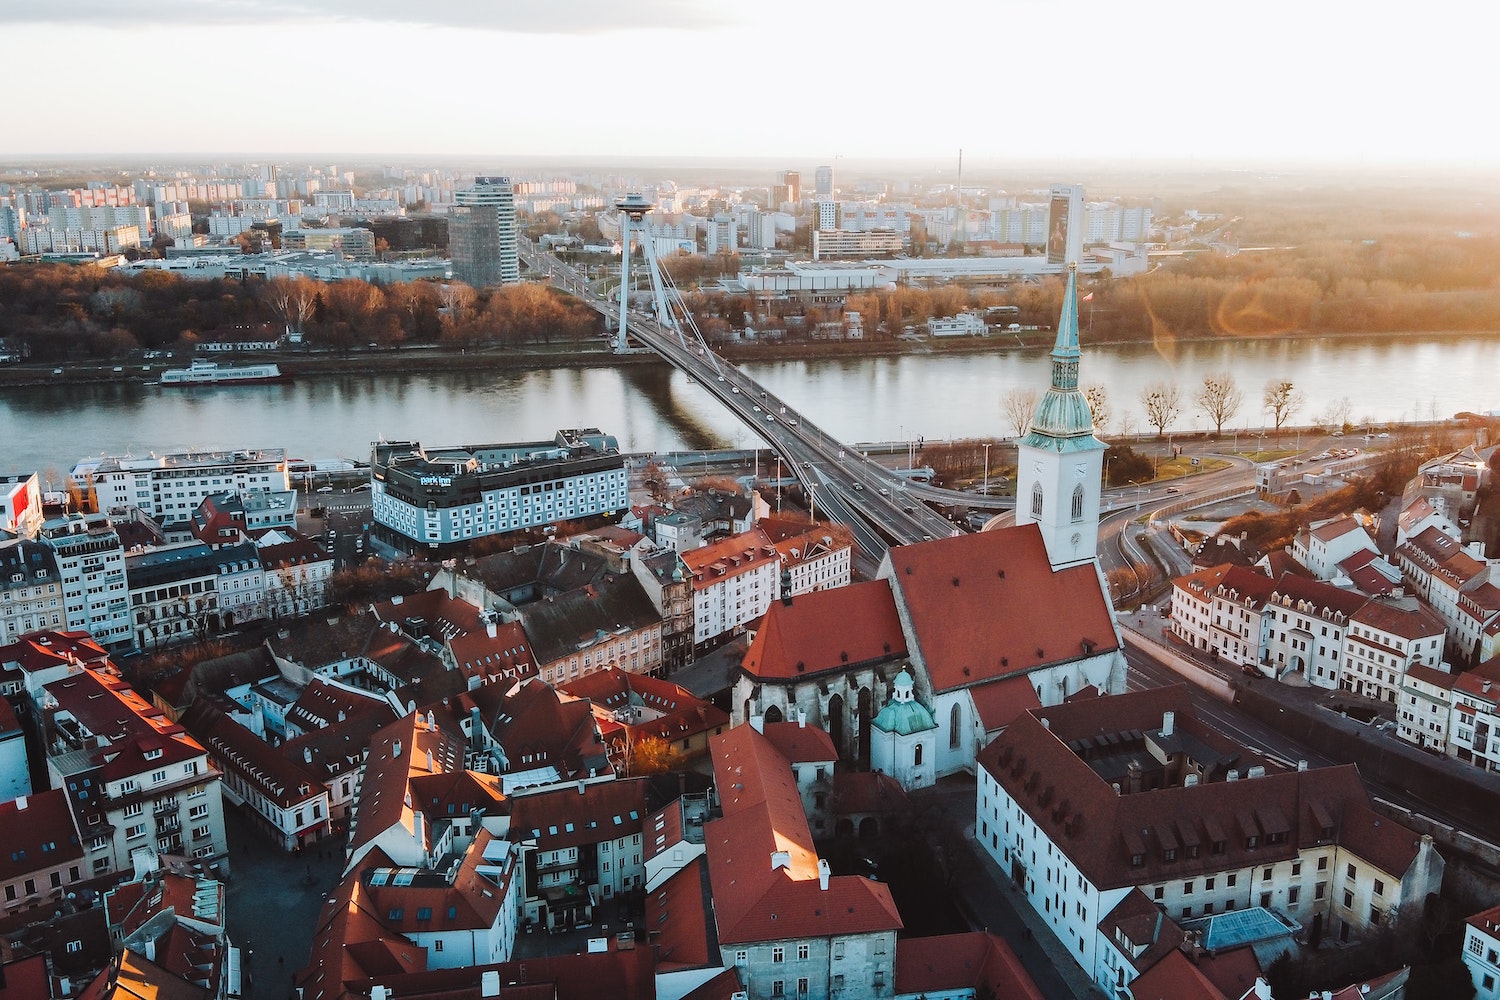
489	983
395	750
1302	765
1133	776
20	803
758	723
431	720
801	718
823	873
492	628
1257	771
429	763
1046	723
780	859
379	993
307	755
1168	723
1233	775
582	786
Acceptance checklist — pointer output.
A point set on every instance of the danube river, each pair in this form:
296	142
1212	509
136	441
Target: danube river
652	408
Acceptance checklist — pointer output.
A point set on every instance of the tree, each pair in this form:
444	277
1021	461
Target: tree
1162	402
292	300
1220	399
1098	397
1283	399
1019	405
651	755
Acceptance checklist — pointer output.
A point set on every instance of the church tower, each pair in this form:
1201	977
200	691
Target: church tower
1060	461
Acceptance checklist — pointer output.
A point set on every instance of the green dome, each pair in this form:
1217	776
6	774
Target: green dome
904	718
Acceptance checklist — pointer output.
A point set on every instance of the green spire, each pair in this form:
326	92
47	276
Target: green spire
1062	421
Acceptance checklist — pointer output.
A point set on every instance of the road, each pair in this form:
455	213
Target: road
881	508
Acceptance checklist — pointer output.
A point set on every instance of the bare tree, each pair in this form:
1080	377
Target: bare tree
1098	397
1162	402
1019	405
1338	412
292	300
1283	399
1220	398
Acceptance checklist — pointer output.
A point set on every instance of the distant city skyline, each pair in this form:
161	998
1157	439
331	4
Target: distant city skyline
1019	80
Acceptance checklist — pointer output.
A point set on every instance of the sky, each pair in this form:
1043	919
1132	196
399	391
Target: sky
1203	82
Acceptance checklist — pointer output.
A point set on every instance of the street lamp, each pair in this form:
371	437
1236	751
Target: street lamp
986	469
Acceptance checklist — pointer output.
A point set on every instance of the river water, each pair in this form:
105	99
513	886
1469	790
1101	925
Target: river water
652	408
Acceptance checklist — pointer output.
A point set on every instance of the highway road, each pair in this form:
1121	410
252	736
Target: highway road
881	508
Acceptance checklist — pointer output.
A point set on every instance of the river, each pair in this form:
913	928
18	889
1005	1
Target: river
652	408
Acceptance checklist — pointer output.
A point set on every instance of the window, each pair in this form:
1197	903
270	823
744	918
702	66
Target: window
74	947
1348	898
778	988
778	954
802	986
1379	887
917	756
1036	499
1231	879
802	953
1351	871
741	957
1078	503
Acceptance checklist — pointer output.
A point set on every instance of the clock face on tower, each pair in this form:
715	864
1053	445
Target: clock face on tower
1077	537
1036	467
1080	470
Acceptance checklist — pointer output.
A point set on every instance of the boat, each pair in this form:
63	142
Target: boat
202	372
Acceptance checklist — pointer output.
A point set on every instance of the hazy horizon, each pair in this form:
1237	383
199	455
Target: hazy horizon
1281	86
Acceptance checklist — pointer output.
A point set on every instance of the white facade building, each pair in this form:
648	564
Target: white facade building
170	487
435	497
1481	953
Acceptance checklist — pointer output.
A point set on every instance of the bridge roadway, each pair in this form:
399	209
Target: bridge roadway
878	506
881	508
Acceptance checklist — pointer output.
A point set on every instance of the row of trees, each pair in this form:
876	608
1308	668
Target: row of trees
1219	398
62	312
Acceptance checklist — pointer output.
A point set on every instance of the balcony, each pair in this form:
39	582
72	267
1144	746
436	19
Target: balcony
165	807
171	824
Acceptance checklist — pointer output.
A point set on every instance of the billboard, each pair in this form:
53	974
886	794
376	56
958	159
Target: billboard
1057	229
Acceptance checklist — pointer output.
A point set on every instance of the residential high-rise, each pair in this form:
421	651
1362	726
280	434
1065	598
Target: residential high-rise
482	233
823	183
788	189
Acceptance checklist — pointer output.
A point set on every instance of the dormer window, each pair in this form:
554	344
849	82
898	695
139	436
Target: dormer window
153	754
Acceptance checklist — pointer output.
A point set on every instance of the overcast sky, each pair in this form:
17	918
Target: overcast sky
1205	81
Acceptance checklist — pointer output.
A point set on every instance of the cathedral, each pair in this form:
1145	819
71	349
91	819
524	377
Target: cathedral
916	671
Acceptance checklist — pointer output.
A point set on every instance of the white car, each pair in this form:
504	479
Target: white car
325	489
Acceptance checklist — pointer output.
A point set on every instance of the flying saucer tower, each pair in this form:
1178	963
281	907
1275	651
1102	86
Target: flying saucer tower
633	207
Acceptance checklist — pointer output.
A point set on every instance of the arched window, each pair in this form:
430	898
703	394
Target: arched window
955	727
917	757
1036	499
1078	502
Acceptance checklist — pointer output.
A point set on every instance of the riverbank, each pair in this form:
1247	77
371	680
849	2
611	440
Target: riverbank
417	360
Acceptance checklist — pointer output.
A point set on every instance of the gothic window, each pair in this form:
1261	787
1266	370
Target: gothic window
1036	499
1078	502
955	723
917	756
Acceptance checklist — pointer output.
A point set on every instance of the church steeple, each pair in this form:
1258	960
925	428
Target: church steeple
1062	421
1059	458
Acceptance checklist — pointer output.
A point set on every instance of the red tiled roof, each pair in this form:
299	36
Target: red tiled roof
570	815
1407	623
1145	925
1104	831
37	651
858	792
388	773
987	605
1233	971
724	986
801	744
37	832
678	918
729	557
537	726
801	638
1000	702
762	815
1175	977
951	962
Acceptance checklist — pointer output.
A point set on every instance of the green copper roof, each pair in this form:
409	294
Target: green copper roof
1062	421
904	718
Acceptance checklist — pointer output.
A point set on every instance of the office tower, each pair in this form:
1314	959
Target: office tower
482	233
823	183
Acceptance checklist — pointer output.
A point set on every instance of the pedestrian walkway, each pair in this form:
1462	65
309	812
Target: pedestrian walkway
991	903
